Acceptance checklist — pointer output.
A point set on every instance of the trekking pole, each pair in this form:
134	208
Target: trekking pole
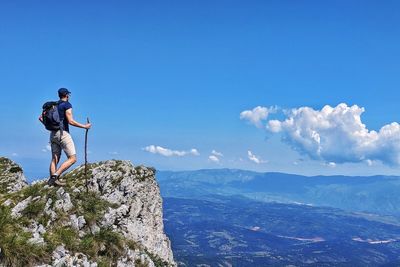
86	178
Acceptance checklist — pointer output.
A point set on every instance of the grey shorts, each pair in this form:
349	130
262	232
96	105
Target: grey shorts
65	143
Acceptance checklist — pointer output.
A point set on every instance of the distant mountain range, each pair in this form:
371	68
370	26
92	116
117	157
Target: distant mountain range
228	217
374	194
235	231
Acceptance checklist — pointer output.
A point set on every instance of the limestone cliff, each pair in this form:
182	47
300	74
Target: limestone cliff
113	219
12	178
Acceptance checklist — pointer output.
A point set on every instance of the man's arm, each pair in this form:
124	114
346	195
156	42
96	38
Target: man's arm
71	121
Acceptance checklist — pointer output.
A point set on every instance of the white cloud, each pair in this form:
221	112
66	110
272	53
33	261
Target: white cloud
213	158
331	164
216	153
337	134
194	152
113	153
255	158
47	148
170	153
14	154
274	126
257	115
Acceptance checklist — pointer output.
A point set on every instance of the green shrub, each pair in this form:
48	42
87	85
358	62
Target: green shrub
132	245
15	248
15	169
32	191
62	235
104	243
6	221
104	262
91	206
34	209
138	263
17	251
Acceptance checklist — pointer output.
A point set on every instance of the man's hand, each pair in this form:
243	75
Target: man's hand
88	126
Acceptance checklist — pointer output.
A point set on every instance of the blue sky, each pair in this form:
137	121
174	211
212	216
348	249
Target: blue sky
177	74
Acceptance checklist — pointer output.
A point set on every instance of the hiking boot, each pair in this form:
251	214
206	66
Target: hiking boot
56	181
60	182
51	181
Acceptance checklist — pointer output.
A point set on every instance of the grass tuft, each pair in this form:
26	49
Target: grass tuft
62	235
16	250
106	243
91	206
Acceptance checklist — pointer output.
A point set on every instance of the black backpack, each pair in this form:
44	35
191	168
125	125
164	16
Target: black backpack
50	116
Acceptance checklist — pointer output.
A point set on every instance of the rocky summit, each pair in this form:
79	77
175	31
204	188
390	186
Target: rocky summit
110	217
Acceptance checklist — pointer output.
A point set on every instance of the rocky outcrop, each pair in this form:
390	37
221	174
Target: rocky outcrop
111	217
12	177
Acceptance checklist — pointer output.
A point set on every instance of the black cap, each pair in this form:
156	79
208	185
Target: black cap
63	92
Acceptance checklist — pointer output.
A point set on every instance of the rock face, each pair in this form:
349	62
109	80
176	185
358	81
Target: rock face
12	177
111	217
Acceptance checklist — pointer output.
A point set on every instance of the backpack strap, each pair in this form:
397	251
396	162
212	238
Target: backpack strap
61	121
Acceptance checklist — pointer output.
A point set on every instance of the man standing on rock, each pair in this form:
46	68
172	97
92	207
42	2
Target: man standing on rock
61	139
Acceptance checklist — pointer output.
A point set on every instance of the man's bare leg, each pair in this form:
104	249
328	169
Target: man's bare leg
66	164
53	164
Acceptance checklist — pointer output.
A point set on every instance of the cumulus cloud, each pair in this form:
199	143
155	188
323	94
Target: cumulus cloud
255	158
169	152
213	158
257	115
337	134
216	153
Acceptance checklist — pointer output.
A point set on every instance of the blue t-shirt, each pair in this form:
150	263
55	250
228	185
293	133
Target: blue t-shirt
62	107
